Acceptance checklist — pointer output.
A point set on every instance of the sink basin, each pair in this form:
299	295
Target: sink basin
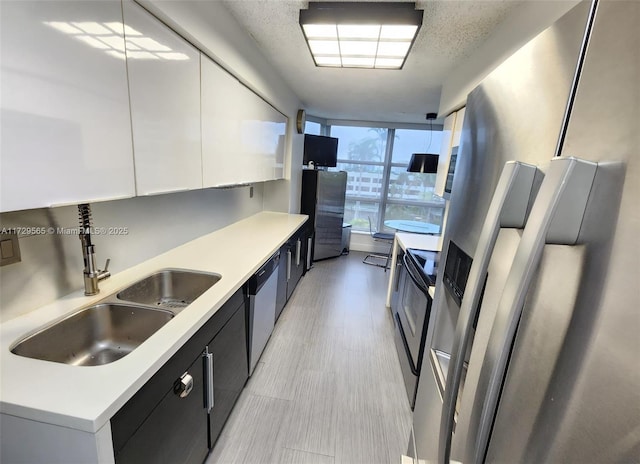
171	289
94	336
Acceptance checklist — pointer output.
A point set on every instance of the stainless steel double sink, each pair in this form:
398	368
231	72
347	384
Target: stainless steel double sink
115	326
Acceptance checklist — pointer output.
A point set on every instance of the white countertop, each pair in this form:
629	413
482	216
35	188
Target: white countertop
85	398
419	241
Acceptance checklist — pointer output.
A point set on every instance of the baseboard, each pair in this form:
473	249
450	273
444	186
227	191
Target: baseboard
363	242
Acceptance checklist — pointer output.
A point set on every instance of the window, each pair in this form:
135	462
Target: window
410	195
313	128
362	152
379	186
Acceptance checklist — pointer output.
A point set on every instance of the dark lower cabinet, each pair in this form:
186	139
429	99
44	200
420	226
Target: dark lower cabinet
283	272
230	368
297	262
176	417
293	264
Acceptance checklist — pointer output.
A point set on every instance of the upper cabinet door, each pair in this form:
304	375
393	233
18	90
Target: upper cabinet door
222	163
265	132
243	137
66	129
164	82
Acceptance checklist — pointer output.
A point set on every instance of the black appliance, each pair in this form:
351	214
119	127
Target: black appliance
323	151
411	313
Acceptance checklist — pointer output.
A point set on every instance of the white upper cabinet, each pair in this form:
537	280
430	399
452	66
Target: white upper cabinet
164	82
65	124
243	137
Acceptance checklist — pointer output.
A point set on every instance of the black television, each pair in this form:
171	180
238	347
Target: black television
323	151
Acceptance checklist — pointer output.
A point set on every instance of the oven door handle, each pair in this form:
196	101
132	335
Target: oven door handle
407	350
410	271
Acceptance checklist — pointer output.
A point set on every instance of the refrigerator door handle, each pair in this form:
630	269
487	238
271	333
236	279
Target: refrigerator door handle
508	208
556	218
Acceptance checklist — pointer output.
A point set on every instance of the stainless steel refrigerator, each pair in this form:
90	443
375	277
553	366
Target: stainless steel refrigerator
323	197
539	362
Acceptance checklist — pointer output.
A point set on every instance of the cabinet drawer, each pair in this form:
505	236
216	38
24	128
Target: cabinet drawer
176	430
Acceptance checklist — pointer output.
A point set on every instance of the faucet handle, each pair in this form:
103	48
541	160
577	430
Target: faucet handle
104	274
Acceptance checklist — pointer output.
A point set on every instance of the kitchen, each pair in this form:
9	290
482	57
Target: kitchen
182	230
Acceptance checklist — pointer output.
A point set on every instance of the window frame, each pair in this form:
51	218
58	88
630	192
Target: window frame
387	164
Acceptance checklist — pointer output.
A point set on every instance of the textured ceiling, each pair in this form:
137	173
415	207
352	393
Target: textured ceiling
451	31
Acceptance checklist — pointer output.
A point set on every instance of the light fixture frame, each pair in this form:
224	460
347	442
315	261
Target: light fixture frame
362	13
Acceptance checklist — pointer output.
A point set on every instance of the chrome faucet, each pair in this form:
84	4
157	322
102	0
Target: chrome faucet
92	275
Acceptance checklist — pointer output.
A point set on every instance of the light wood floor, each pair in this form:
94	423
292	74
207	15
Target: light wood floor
328	388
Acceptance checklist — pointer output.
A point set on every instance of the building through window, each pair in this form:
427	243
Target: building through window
378	184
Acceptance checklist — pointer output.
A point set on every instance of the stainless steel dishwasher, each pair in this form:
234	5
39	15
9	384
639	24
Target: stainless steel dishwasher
261	289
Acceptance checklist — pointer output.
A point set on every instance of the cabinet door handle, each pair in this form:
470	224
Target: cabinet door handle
183	385
208	367
288	264
309	243
298	252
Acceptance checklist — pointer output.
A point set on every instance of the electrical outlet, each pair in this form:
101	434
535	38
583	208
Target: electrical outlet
9	249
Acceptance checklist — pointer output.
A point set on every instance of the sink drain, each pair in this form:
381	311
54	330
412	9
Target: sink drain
173	303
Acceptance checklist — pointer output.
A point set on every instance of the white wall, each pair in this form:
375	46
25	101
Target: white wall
361	241
213	29
527	21
52	264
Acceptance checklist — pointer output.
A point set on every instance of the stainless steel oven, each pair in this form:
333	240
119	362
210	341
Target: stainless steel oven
411	313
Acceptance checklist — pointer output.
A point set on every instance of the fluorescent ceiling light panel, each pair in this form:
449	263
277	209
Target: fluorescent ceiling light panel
355	31
360	35
324	47
320	31
358	62
329	61
388	63
358	48
393	49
